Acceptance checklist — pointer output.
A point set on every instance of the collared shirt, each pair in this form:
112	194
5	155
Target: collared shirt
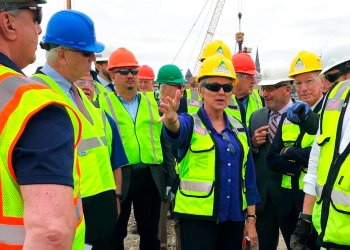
132	106
283	110
104	83
230	207
43	153
64	84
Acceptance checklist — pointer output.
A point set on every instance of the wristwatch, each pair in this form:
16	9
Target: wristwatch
307	217
251	215
119	196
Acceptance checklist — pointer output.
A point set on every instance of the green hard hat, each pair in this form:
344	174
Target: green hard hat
170	74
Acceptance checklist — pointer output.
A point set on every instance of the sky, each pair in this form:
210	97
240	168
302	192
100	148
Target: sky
154	30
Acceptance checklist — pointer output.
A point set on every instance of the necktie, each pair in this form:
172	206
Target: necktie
111	86
78	101
273	125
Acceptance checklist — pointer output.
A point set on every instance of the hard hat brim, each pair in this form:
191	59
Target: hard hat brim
273	82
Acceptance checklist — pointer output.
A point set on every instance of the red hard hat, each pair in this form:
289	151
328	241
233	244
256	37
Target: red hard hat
146	73
122	57
243	63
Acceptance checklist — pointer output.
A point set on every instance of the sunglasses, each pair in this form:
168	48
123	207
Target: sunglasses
215	87
177	86
84	53
333	77
38	13
125	72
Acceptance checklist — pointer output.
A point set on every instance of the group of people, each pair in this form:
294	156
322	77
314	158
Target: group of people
79	147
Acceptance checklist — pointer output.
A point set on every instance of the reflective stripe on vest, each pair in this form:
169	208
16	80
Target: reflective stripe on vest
196	186
337	196
193	100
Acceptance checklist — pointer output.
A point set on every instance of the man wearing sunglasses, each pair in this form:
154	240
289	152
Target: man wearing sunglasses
136	116
326	202
276	90
40	207
70	44
290	150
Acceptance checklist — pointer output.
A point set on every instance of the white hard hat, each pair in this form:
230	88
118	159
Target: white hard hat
335	53
275	72
104	55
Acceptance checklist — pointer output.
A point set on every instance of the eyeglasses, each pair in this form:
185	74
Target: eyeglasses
333	77
307	81
38	13
215	87
246	76
82	52
177	86
125	72
82	82
270	88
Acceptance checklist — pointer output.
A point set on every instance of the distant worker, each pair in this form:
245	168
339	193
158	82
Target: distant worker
136	116
170	79
146	78
326	184
245	96
103	76
217	194
290	150
276	90
39	133
70	44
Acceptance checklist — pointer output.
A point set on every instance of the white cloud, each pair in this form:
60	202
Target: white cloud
155	29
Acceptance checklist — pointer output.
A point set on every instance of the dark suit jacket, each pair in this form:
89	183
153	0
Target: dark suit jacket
268	181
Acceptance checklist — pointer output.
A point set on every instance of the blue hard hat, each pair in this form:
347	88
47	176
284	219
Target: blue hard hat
72	29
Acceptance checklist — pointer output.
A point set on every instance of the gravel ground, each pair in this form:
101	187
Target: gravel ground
132	240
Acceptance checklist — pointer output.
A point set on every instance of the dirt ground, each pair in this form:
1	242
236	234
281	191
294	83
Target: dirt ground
132	240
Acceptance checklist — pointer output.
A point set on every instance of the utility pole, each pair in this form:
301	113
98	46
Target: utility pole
69	4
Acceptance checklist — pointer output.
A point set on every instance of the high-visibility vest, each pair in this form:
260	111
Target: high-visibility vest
193	100
141	139
290	136
99	89
196	195
331	213
254	104
233	109
20	99
94	157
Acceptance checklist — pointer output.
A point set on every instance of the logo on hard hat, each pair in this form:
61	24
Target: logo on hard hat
222	68
220	51
265	74
299	65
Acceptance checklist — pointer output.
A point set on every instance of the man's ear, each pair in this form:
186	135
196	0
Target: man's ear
8	25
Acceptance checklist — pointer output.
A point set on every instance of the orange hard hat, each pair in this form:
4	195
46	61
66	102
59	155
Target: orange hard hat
146	73
122	57
243	63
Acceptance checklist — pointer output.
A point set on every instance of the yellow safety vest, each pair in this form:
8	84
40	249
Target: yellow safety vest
290	134
20	99
141	139
99	89
193	100
254	104
331	213
94	156
196	194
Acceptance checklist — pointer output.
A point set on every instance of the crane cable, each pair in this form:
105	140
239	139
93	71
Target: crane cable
183	43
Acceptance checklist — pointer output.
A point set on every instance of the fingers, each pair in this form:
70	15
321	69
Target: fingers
259	136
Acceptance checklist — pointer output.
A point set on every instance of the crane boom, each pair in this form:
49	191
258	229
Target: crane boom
211	30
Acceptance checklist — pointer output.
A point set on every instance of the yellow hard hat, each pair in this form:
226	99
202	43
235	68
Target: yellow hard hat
304	62
217	65
215	47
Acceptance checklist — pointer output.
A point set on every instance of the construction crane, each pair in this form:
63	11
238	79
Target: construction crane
211	30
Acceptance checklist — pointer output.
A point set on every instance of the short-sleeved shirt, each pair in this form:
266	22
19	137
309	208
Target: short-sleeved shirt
44	153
